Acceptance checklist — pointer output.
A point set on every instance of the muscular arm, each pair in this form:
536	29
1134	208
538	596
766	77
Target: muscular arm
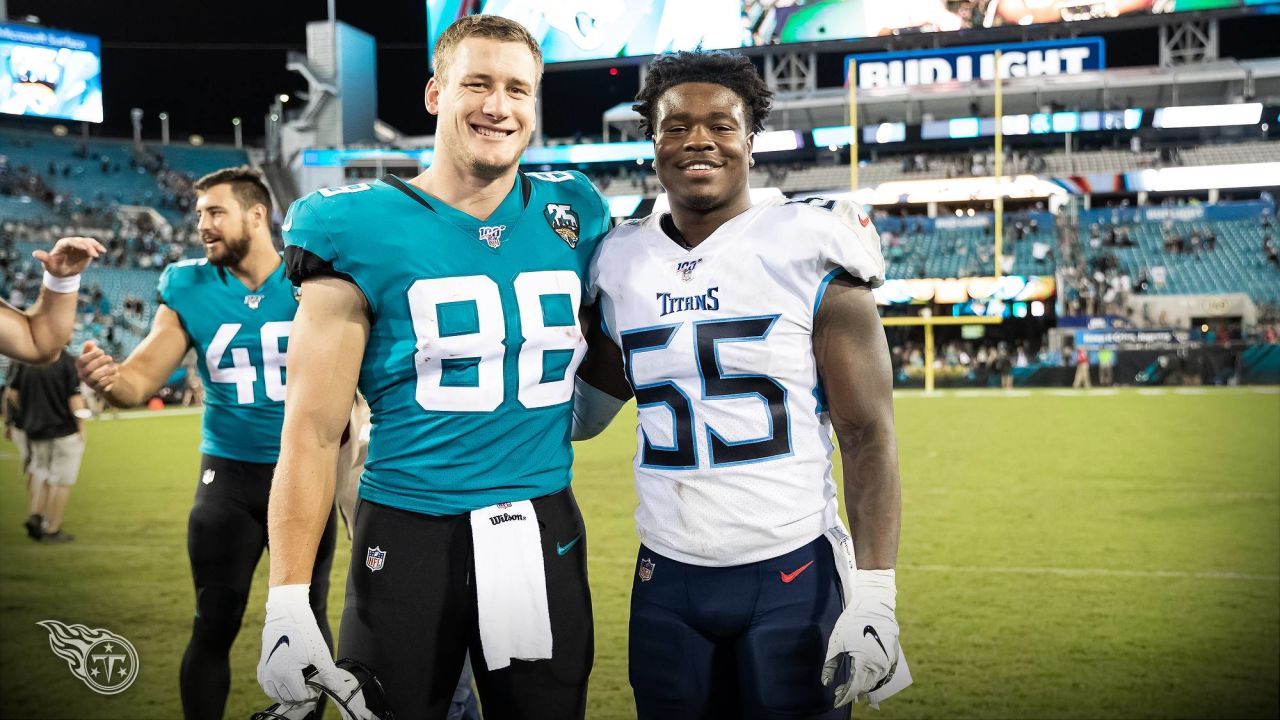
150	364
326	346
853	361
39	334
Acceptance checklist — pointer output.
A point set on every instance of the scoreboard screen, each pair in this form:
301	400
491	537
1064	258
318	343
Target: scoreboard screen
573	30
50	73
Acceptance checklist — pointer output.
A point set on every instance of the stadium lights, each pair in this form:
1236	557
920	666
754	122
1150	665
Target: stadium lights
952	190
1193	116
777	141
283	97
1206	177
624	206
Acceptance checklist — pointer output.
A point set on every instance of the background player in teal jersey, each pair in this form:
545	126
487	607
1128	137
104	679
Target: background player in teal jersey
235	307
451	300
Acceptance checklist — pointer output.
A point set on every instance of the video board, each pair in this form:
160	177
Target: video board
50	73
575	30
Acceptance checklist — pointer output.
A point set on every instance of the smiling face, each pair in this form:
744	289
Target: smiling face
702	145
485	104
225	226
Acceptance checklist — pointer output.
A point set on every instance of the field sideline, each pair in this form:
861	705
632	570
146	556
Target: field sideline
1114	553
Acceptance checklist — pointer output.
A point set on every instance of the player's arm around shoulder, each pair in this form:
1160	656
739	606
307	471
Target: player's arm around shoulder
600	388
146	369
326	346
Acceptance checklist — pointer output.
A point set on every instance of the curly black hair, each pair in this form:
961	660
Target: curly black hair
731	70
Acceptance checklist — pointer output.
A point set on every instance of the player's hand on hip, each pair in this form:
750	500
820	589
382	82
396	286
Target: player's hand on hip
867	632
291	645
96	368
69	256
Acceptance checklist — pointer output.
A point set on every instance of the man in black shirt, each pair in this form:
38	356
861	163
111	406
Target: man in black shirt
13	431
49	399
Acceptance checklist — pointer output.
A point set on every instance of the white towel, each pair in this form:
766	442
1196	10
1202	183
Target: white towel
511	587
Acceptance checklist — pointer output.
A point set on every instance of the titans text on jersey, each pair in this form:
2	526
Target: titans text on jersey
734	464
474	337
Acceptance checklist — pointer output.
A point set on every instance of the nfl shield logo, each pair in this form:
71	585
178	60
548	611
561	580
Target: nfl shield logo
492	235
253	301
646	570
376	557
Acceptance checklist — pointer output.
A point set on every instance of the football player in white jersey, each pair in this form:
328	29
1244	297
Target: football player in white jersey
747	334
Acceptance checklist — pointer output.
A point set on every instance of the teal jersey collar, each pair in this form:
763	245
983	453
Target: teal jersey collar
492	231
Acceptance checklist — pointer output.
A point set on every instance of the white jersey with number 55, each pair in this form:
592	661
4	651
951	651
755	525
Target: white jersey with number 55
733	464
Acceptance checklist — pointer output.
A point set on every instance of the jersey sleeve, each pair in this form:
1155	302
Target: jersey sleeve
853	244
308	247
164	289
606	216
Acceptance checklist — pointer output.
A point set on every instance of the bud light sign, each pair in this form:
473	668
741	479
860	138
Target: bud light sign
964	64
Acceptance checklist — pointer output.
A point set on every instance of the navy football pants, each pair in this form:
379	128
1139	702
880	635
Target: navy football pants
747	641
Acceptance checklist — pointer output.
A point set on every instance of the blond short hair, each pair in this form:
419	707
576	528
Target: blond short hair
492	27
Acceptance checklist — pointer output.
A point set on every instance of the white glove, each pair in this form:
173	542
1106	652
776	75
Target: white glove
291	641
868	631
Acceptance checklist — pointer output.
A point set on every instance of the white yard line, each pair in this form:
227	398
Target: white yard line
1093	572
1092	392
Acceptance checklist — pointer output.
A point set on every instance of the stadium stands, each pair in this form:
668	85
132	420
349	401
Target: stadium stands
1214	250
919	247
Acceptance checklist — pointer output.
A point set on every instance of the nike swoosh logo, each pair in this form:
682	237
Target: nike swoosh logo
788	577
284	640
868	630
864	220
562	549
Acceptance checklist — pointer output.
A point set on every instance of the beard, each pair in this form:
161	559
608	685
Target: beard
233	249
483	169
702	202
489	171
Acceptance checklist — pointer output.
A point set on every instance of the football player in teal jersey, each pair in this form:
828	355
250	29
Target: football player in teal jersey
235	307
451	301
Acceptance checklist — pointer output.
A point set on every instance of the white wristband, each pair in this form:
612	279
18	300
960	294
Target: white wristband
289	595
880	584
57	284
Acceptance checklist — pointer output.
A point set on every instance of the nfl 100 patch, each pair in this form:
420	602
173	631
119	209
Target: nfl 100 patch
491	235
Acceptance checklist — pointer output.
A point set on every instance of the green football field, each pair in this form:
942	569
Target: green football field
1110	554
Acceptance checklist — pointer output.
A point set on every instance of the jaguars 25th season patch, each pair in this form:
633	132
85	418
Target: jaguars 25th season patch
564	221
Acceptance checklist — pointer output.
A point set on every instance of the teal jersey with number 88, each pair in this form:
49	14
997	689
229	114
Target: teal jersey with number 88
474	337
241	337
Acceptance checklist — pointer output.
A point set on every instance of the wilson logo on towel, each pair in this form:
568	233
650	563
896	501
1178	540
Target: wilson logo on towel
505	517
